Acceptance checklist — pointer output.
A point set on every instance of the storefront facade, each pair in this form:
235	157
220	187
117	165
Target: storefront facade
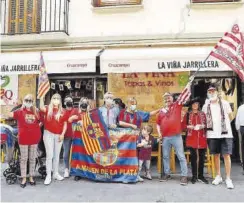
148	73
71	72
145	73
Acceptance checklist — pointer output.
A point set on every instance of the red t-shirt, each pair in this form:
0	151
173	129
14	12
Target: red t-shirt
53	125
170	121
29	132
69	113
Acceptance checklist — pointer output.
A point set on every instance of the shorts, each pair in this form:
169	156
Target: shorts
220	145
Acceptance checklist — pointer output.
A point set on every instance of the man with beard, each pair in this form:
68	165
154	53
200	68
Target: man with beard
219	134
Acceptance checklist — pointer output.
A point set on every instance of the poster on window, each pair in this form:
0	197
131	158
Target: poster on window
147	88
9	89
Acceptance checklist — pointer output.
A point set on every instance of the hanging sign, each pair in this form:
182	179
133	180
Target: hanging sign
61	87
53	86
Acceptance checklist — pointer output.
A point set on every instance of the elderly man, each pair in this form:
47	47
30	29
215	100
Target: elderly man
240	127
109	111
169	128
220	139
133	118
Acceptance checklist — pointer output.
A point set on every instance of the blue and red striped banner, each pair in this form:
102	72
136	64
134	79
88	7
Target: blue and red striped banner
114	159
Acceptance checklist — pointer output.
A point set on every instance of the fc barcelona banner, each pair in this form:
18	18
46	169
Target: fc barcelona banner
101	154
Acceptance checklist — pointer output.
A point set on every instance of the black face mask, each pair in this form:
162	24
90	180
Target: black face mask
69	104
83	106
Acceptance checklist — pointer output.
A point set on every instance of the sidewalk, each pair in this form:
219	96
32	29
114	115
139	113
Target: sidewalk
153	191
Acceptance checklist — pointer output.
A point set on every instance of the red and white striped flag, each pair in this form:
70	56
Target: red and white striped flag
43	85
230	50
185	95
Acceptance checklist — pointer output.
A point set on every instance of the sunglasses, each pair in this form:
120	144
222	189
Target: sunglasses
28	100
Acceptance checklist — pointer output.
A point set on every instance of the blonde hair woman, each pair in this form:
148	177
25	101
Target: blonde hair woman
55	126
29	135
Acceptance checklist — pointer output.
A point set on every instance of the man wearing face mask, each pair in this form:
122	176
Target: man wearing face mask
133	118
219	134
68	102
170	130
109	111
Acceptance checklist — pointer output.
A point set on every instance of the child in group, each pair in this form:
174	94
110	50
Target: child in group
144	144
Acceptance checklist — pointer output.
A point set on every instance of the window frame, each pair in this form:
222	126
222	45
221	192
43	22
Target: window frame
214	1
103	3
17	20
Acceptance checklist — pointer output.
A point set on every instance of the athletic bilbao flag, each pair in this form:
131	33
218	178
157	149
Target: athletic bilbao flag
230	50
43	85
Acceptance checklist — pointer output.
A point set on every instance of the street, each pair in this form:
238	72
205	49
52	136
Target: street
148	191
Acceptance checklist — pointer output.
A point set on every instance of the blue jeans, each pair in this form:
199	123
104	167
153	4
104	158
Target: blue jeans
176	142
67	147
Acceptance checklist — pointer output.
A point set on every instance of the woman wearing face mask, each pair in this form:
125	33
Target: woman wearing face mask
68	102
77	123
109	111
133	118
29	135
55	126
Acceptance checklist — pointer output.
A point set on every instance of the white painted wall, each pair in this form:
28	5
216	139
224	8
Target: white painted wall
156	17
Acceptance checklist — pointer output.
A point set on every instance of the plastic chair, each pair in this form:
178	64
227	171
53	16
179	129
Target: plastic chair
157	154
209	162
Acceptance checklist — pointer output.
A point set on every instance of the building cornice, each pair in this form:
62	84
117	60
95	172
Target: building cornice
69	43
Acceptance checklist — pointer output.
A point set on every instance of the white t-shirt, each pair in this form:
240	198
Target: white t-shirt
216	119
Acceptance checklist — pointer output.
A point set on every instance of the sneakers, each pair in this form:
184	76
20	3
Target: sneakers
57	177
66	173
183	180
148	176
165	178
202	180
193	180
229	183
48	180
218	180
139	179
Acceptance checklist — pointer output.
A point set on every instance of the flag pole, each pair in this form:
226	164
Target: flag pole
194	75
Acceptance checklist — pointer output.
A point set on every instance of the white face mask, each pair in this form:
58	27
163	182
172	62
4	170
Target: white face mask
109	101
56	102
133	107
27	104
213	97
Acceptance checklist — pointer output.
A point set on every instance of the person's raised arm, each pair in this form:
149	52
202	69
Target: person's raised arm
42	106
186	93
152	113
127	125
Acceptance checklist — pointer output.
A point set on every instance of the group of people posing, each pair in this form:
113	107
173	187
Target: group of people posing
207	127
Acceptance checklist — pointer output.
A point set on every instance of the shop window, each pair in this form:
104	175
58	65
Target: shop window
77	88
24	16
101	89
103	3
213	1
